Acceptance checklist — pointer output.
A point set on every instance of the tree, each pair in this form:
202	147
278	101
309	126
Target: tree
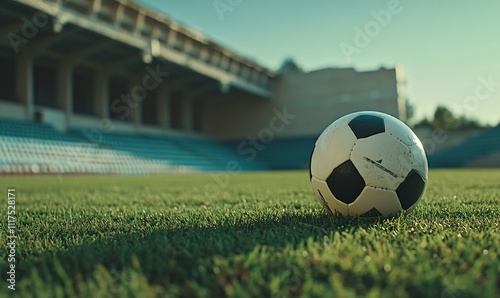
466	123
410	111
289	66
444	119
424	123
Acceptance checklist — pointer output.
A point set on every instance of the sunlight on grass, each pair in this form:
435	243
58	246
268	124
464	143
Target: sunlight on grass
262	235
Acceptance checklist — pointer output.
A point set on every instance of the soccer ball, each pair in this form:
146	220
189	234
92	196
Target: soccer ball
368	164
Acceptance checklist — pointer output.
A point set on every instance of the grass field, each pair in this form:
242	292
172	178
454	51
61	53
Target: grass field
264	235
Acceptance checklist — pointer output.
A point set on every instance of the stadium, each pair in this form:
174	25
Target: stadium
139	157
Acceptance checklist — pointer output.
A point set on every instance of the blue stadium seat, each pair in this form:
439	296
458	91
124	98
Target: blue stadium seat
31	148
484	144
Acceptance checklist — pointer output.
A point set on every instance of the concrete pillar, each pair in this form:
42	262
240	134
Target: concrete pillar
234	67
264	80
25	86
215	59
65	90
254	77
93	9
163	103
101	94
139	23
171	37
187	113
188	46
118	15
204	54
136	115
224	62
24	69
198	116
245	72
137	96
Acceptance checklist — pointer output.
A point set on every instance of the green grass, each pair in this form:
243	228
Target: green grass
264	235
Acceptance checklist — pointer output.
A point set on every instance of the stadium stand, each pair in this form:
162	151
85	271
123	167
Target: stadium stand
289	153
478	150
283	154
180	97
32	148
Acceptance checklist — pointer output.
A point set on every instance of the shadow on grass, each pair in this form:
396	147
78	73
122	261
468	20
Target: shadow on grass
173	256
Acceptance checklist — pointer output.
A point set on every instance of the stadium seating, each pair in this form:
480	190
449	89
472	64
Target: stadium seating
31	148
470	152
188	153
285	153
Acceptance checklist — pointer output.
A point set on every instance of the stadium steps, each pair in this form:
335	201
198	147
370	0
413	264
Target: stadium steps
489	161
194	153
281	154
288	153
468	152
31	148
157	150
218	152
27	155
28	148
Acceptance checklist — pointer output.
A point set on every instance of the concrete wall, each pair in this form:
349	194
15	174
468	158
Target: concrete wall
84	121
54	117
435	140
313	100
12	110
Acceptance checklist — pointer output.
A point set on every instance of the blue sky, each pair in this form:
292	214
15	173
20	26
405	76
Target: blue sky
448	48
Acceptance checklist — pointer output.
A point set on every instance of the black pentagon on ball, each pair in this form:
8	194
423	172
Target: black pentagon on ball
345	182
365	126
410	189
